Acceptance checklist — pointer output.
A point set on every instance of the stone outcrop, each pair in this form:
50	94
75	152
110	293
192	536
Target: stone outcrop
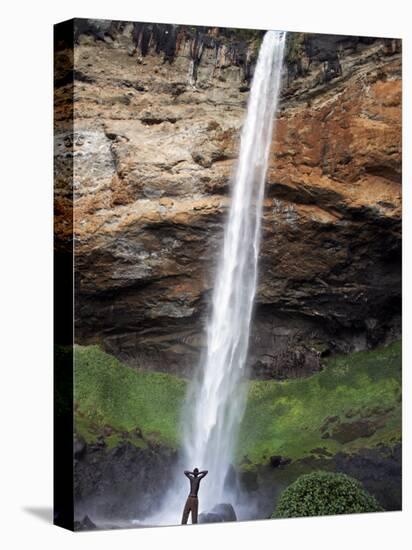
120	483
154	149
218	514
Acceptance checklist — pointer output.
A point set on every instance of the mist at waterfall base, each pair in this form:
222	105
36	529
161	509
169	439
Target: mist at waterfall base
216	397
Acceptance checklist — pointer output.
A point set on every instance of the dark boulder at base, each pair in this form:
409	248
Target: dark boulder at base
219	513
209	517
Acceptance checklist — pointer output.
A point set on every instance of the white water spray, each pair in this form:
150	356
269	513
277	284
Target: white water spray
216	398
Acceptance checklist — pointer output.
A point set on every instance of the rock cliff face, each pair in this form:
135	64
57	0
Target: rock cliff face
155	142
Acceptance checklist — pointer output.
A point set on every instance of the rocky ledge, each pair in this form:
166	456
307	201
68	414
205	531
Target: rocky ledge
120	483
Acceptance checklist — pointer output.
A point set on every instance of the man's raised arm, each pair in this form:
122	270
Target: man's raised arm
203	473
188	473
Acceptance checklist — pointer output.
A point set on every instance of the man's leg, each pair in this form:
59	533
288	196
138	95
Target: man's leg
186	510
195	506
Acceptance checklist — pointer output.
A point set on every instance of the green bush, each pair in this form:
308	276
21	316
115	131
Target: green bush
325	494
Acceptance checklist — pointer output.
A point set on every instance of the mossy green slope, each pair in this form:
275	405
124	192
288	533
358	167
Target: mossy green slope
356	394
112	395
354	402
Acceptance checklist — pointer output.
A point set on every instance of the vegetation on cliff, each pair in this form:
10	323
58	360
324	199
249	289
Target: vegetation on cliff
120	403
354	402
325	494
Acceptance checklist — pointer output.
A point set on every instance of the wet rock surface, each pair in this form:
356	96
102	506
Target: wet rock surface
154	151
121	483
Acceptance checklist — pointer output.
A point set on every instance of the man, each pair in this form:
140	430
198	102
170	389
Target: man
192	502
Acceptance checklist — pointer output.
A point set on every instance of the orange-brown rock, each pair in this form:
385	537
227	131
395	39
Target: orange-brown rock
153	157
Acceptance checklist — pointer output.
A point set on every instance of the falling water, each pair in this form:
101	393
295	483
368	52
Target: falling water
216	398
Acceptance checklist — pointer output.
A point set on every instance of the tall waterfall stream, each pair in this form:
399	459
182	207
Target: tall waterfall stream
216	397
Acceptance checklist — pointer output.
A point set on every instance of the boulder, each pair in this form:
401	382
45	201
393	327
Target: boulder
219	513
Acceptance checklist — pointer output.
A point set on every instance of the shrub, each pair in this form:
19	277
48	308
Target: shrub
324	494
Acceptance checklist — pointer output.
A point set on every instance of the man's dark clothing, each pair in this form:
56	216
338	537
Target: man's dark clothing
192	502
192	505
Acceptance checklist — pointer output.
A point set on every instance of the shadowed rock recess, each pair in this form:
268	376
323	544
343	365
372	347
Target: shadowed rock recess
158	113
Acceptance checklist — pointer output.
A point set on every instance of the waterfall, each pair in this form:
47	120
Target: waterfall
216	397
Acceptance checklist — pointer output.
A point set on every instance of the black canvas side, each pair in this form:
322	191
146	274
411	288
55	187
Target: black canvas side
63	274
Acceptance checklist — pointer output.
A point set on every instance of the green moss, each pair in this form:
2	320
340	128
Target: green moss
323	494
286	418
282	418
109	394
